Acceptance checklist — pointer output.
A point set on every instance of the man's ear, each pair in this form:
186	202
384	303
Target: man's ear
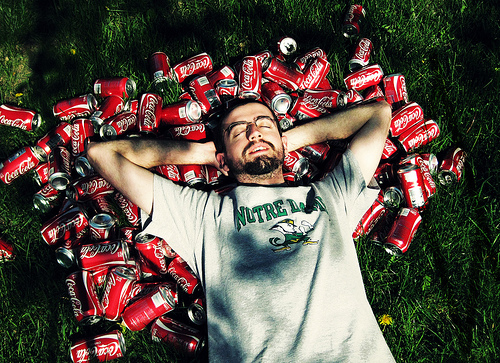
284	140
221	159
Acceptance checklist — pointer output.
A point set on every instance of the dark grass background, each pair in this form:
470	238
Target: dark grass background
443	294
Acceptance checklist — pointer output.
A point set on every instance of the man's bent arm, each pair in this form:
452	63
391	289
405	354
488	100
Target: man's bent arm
369	122
125	163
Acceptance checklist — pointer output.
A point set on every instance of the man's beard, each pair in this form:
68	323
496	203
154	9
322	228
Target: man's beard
260	166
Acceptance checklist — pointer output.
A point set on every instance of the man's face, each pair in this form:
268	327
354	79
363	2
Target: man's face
253	144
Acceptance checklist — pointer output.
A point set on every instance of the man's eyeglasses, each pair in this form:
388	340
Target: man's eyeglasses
239	127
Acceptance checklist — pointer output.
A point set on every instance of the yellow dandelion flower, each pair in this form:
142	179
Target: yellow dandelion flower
72	51
19	94
385	320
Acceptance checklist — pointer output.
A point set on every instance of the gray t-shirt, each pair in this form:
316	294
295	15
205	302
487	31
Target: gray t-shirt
278	266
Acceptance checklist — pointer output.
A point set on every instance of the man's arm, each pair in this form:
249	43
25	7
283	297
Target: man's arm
369	122
125	163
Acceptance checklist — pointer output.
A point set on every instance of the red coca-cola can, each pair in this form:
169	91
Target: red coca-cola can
353	97
159	65
130	209
432	162
6	251
361	56
325	99
46	198
98	348
102	226
200	64
118	125
22	162
420	135
151	252
416	159
364	77
285	121
250	78
390	149
60	168
78	106
192	175
65	225
452	166
303	60
180	336
303	110
316	153
393	198
405	118
83	295
81	130
314	73
412	183
374	93
212	174
395	90
100	254
370	218
275	97
89	187
82	166
353	20
402	231
196	312
131	106
149	112
203	92
193	132
181	113
227	89
58	136
296	163
225	72
169	171
41	174
183	275
118	86
147	307
284	75
117	291
111	106
19	117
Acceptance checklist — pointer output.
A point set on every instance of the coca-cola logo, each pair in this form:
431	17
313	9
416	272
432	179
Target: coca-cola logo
16	122
290	159
187	129
22	169
182	281
364	79
75	301
190	67
158	253
90	251
148	106
424	135
127	208
389	147
248	74
123	123
364	48
91	186
318	103
407	117
316	53
100	349
313	73
62	227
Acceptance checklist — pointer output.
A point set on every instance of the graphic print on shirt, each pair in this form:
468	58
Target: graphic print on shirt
292	234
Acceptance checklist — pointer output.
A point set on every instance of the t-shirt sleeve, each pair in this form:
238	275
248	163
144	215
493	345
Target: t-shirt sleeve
348	185
176	216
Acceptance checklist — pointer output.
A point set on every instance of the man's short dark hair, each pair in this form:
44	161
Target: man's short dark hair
229	106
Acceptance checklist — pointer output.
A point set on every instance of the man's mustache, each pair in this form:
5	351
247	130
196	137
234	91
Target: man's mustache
252	143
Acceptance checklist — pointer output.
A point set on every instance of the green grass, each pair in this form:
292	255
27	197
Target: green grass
443	294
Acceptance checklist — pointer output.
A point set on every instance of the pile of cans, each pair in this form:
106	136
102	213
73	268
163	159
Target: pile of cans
120	274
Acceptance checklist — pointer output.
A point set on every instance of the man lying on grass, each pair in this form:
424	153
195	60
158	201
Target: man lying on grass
302	302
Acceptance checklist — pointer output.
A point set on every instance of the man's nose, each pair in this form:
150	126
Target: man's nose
253	132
